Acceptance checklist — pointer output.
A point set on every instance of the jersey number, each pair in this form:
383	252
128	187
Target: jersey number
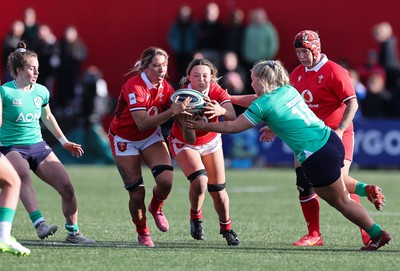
304	112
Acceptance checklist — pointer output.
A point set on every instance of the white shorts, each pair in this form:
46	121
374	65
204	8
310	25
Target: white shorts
176	146
124	147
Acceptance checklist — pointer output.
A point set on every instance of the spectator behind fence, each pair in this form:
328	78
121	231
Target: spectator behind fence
30	34
261	39
370	66
73	53
233	77
211	34
182	37
377	102
234	33
388	54
10	43
48	50
95	98
359	87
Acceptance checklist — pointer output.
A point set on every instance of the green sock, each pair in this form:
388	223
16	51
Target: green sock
7	214
71	228
360	189
36	217
374	231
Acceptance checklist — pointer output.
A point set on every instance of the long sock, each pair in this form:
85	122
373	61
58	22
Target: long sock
71	228
360	189
225	225
196	214
374	231
36	217
6	220
141	226
156	203
310	208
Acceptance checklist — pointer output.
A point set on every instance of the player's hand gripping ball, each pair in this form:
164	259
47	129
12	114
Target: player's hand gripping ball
197	102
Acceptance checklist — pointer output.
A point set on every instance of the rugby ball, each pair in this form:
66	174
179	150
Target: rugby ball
197	102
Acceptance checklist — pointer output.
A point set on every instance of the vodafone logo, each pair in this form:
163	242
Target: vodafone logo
307	96
152	111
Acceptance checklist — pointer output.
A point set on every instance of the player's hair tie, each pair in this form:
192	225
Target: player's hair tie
137	64
20	50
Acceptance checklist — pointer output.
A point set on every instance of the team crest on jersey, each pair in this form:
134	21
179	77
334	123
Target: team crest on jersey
38	102
299	78
122	146
179	145
132	98
320	77
161	96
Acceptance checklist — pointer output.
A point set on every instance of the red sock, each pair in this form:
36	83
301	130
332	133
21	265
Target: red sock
156	203
141	226
196	214
355	198
310	208
225	225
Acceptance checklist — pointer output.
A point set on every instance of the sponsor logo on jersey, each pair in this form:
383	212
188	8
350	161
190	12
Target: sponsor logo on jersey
152	111
132	98
17	102
30	117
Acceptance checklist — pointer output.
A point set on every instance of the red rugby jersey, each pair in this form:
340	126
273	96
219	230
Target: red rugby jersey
136	94
324	88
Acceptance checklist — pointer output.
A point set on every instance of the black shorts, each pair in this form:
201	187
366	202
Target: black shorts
323	167
34	153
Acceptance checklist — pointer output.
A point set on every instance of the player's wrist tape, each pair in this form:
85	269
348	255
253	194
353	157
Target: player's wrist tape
63	140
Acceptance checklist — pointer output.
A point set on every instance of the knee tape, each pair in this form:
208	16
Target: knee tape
196	174
157	170
303	186
135	185
216	187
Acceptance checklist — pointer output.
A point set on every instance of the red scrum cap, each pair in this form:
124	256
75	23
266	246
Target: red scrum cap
310	40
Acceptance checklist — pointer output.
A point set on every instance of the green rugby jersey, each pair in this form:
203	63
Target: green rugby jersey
21	114
285	112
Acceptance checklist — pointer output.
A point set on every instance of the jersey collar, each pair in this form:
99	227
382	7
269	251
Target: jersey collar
324	59
146	80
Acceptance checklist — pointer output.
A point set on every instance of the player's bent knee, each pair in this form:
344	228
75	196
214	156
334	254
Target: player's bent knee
216	187
304	188
196	174
135	185
157	170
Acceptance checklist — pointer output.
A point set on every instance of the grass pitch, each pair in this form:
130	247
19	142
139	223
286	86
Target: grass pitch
264	210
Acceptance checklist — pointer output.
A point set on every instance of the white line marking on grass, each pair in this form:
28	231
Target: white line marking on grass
385	213
242	189
252	189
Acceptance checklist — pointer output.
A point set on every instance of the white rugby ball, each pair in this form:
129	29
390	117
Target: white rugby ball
197	101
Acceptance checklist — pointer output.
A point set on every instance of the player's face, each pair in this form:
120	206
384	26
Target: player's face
305	57
200	77
256	85
157	69
29	74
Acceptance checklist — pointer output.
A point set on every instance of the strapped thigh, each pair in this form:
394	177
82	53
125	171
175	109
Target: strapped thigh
196	174
133	186
157	170
216	187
